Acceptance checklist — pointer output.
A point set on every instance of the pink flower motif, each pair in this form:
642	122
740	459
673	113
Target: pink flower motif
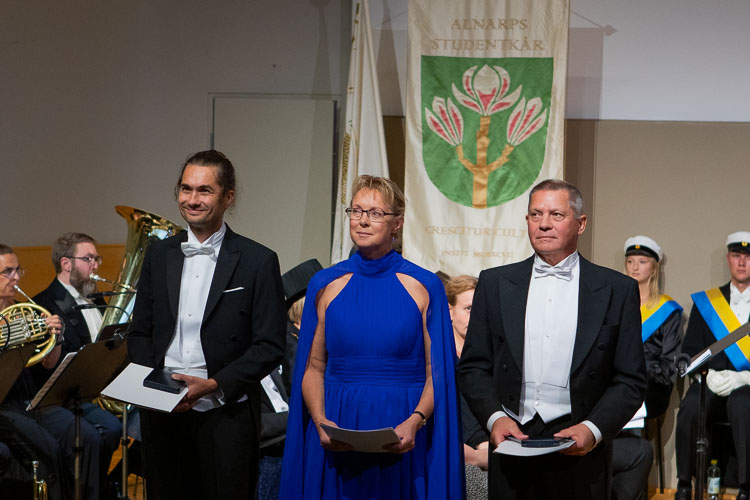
525	120
446	121
485	90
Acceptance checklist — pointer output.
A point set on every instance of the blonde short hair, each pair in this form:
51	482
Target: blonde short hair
458	285
389	190
295	311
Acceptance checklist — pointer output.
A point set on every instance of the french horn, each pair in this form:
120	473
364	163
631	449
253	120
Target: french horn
23	323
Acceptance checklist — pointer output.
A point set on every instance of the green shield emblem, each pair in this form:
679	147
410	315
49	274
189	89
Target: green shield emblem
484	125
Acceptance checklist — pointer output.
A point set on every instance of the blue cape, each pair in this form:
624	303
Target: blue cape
445	461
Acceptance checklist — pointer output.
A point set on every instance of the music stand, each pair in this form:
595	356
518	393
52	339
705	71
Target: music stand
12	362
696	362
118	332
80	377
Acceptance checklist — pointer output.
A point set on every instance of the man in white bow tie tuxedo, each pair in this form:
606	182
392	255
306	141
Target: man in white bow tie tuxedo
553	350
210	305
716	313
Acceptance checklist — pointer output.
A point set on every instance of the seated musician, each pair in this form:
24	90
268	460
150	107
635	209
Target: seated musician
75	257
48	434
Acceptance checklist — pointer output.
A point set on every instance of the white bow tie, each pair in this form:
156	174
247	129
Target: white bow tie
190	249
560	273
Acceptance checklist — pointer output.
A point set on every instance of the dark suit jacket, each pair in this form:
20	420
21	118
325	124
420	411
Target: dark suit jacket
56	299
243	325
698	336
607	375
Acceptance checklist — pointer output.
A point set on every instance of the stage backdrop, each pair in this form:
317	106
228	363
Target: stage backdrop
484	123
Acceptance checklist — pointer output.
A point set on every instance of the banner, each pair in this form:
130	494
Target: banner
363	148
484	123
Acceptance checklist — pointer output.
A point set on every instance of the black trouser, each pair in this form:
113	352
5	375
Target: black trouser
200	455
631	464
657	398
553	476
735	408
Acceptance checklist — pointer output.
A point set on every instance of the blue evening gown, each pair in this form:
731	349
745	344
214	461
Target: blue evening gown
374	378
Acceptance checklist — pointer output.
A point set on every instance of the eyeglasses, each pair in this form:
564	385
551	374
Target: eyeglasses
89	259
374	214
8	272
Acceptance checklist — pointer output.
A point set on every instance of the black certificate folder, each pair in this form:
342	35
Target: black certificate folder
161	379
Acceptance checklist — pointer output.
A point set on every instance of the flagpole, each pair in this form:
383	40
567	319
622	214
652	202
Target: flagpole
363	147
376	89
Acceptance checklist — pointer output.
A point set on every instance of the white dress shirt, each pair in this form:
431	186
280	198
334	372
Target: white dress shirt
551	322
549	338
739	303
93	317
185	352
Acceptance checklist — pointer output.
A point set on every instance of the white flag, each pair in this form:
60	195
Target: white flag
363	149
484	123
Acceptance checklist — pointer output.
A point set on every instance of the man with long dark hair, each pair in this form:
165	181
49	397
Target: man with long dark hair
210	306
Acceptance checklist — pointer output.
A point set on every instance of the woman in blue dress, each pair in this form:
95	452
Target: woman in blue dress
375	350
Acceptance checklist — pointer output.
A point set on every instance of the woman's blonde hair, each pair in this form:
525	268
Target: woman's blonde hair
295	311
458	285
389	190
653	281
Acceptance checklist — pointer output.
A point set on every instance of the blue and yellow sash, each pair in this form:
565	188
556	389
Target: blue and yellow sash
721	321
653	318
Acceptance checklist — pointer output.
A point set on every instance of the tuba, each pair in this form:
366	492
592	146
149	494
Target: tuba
143	229
23	323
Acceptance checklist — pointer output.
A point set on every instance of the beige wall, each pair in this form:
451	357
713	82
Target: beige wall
683	184
102	101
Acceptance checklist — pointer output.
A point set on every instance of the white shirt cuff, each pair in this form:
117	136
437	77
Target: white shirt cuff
493	418
219	395
594	430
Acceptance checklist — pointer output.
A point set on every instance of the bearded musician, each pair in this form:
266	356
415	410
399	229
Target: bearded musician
75	258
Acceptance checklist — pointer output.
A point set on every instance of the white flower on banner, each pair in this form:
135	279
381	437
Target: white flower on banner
446	121
486	90
525	120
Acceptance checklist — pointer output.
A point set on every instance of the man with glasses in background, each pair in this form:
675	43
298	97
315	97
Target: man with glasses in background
75	258
48	434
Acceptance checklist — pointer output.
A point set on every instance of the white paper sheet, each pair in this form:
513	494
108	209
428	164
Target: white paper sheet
509	447
128	387
700	359
370	441
639	419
